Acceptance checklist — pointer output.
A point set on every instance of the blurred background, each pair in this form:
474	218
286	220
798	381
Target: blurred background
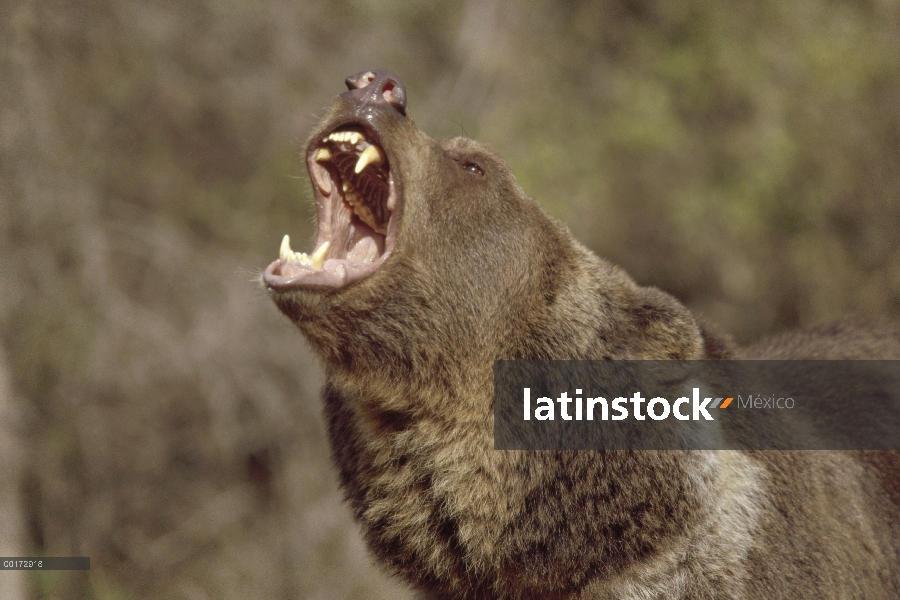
157	413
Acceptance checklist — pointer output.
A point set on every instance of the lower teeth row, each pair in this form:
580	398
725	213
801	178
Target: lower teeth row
316	261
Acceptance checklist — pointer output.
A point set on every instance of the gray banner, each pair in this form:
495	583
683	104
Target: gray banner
697	405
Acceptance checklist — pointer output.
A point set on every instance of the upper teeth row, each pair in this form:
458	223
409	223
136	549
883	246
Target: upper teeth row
316	261
370	156
352	137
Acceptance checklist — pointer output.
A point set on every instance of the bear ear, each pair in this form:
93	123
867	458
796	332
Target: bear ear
663	329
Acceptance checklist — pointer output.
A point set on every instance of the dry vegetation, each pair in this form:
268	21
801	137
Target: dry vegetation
165	419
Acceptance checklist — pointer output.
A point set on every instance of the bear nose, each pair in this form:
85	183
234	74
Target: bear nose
381	88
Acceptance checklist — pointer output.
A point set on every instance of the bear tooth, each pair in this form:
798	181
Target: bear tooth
351	137
298	257
371	155
323	154
285	251
318	257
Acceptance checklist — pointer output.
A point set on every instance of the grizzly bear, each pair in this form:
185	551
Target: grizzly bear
431	263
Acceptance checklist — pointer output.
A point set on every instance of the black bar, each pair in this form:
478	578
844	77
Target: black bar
45	563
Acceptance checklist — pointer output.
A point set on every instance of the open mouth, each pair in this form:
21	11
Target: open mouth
356	199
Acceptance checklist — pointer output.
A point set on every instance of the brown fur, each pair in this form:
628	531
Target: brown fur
481	273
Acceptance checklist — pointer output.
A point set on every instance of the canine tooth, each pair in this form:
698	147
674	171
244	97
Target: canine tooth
285	251
318	257
323	154
370	156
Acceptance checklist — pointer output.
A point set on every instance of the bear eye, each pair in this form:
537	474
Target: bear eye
471	167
